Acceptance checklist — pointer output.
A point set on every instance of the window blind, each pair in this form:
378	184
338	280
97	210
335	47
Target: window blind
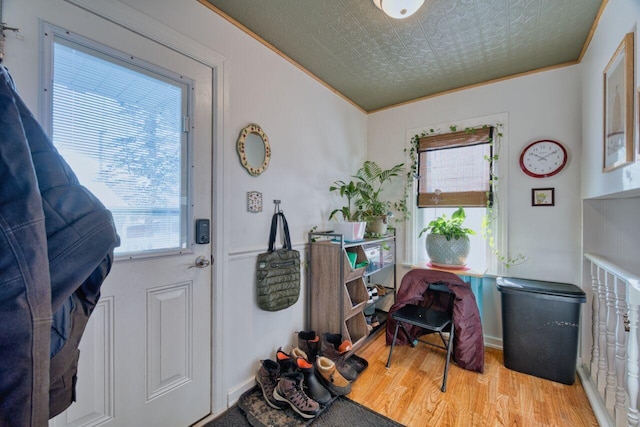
455	168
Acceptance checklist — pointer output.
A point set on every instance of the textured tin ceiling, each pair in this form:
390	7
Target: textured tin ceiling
376	61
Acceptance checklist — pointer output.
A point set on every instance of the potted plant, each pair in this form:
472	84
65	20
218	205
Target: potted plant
448	240
352	228
371	179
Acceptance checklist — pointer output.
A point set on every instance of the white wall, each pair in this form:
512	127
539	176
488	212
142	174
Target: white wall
611	201
619	18
316	137
543	105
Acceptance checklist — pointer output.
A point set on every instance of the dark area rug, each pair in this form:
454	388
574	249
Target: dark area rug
252	411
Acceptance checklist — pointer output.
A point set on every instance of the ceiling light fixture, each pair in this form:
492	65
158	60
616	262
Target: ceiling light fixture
399	9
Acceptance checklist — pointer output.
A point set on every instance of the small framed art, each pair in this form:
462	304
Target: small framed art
618	107
542	197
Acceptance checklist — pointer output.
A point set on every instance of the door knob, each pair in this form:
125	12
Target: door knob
201	262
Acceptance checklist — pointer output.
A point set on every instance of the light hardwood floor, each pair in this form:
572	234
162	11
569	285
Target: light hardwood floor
409	391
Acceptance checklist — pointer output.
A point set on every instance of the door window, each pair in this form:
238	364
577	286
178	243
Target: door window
121	124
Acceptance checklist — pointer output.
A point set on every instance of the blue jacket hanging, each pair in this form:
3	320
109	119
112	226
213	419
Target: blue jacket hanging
79	237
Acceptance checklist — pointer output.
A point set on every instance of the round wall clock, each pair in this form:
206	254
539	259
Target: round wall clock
543	158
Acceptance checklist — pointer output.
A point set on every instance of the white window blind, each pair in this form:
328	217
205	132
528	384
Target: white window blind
119	126
455	169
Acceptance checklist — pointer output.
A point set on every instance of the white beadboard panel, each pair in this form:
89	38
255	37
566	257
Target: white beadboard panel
169	332
95	386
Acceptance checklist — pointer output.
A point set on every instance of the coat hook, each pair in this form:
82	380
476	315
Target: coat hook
3	28
276	208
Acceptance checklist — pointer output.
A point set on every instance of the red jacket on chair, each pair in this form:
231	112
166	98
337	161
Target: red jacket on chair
468	345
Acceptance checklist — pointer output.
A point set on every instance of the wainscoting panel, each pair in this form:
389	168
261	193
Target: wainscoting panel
169	338
95	404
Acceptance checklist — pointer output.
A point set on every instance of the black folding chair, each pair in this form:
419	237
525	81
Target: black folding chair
431	320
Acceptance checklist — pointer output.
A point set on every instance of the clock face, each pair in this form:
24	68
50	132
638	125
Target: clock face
543	158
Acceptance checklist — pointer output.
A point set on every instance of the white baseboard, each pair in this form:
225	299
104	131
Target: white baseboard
591	390
234	394
493	342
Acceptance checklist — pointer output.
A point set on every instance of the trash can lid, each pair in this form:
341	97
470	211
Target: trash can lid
512	284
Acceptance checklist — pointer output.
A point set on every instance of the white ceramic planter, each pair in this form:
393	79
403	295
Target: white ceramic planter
351	231
447	253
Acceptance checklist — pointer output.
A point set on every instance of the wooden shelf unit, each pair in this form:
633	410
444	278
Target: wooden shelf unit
337	292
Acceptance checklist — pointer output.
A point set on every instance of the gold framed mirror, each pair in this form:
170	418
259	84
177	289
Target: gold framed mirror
254	149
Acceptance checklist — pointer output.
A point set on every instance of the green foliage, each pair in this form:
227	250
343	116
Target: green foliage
492	205
363	194
371	180
451	228
350	191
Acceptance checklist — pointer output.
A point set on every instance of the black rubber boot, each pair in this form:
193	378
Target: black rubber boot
286	362
311	384
309	342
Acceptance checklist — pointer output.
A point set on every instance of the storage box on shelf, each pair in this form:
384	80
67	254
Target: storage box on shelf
340	273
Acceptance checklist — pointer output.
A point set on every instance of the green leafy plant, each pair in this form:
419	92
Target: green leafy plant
363	193
371	179
351	192
451	228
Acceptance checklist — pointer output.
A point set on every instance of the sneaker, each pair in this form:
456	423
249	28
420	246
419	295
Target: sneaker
289	390
381	290
374	321
373	294
267	378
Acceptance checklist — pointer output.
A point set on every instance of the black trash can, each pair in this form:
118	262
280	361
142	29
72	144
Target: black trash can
540	327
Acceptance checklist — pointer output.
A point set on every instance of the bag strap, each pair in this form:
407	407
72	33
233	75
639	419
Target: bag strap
274	231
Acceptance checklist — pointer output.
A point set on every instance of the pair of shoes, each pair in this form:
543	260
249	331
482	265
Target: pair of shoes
382	290
373	294
335	348
285	389
374	321
330	377
298	361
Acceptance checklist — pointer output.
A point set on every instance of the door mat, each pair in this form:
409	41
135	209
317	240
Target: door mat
252	411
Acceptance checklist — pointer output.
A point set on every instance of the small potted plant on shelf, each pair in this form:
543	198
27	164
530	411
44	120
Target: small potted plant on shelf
351	227
448	240
371	180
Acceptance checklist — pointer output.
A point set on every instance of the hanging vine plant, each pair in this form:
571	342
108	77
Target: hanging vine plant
493	203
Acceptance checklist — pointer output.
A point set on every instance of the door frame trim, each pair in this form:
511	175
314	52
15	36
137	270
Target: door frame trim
136	21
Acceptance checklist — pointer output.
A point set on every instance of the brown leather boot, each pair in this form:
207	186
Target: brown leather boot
309	342
331	378
267	378
289	390
335	348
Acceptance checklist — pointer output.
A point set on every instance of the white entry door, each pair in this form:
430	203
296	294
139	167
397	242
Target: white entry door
146	353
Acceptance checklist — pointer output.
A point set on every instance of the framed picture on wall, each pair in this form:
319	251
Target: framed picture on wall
618	107
542	197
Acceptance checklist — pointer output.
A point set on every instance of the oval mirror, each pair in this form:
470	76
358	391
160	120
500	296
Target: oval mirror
254	149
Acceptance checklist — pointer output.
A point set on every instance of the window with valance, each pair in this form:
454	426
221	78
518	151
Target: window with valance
455	168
